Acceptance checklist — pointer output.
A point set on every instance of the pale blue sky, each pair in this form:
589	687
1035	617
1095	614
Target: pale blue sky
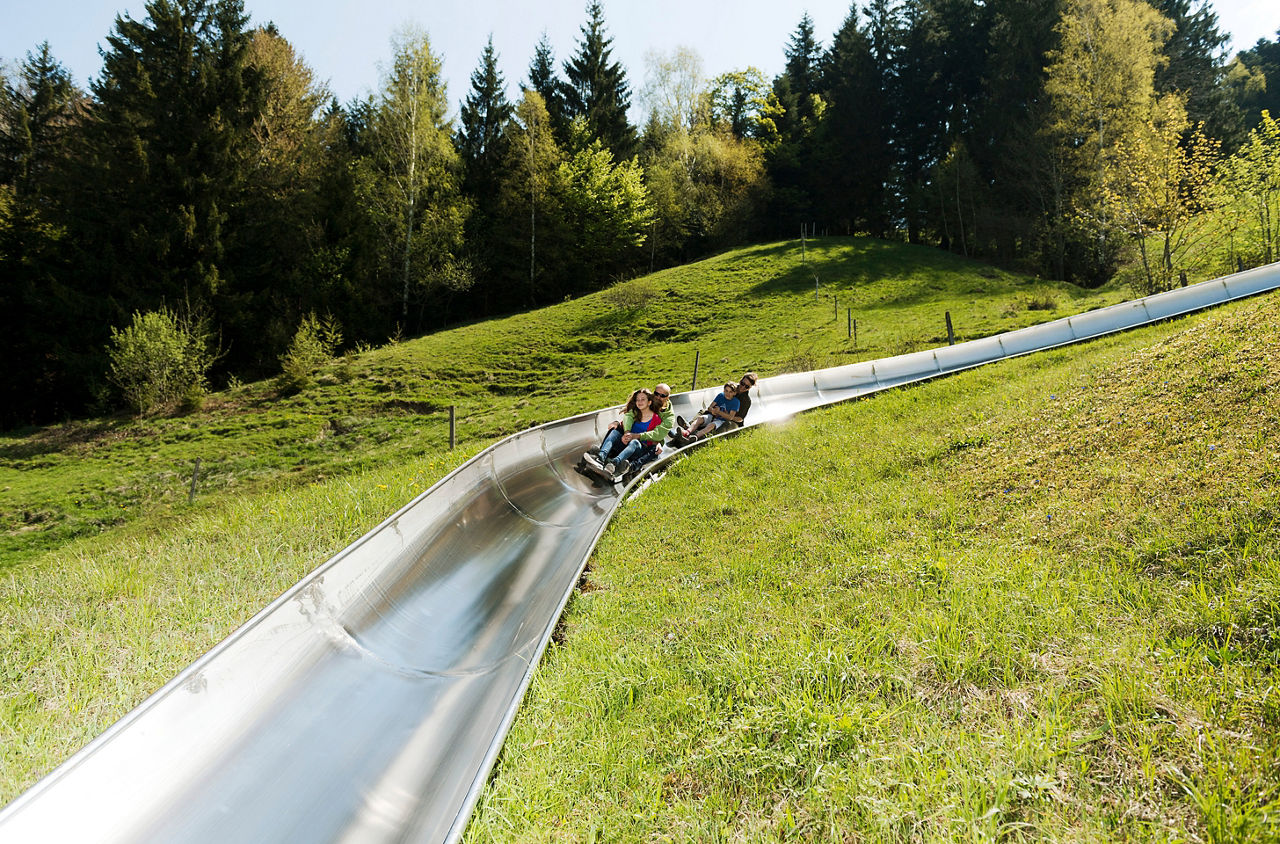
346	42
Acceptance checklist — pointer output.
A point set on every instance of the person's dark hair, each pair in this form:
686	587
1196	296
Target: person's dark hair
730	387
631	402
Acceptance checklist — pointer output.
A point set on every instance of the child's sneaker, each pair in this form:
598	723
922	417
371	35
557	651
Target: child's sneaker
620	468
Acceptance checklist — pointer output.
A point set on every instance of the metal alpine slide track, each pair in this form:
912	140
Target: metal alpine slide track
370	701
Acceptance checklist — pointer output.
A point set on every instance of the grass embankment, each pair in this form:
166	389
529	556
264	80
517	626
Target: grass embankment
1035	601
753	308
110	583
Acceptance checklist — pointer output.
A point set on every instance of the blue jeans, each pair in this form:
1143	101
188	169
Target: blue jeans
613	442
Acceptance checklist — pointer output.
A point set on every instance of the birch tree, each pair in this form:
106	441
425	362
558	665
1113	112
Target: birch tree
1101	86
528	189
412	178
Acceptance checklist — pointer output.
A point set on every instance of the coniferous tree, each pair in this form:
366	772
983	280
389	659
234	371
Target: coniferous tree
1020	185
481	142
166	153
855	128
804	67
596	88
1195	67
796	114
278	225
161	168
936	92
484	117
38	312
36	115
544	79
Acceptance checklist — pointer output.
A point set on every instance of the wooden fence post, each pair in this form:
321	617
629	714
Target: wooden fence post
195	474
951	335
453	426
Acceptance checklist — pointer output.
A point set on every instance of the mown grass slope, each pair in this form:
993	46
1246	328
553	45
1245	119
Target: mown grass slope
752	308
1035	601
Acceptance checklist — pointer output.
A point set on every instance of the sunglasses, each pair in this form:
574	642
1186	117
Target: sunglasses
662	395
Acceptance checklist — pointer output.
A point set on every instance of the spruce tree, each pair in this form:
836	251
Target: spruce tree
544	80
40	318
484	118
855	128
1004	138
36	115
803	69
482	143
166	152
1195	67
596	89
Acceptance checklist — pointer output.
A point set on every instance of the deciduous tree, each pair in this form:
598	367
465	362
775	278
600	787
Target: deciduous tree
607	212
1101	81
738	100
411	178
528	202
1162	190
1251	178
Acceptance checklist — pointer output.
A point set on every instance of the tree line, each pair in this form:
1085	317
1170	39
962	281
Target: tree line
208	181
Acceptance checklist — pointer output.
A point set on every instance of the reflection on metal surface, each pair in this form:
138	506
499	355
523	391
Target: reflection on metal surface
369	702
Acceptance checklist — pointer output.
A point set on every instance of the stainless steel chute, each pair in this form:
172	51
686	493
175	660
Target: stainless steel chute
369	702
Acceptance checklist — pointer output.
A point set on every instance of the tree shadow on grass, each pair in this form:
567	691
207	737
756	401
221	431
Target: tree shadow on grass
24	443
864	260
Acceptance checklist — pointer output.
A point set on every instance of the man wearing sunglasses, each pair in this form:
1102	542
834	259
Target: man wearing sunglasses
666	418
744	398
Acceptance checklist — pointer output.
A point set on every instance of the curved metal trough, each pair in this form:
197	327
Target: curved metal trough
369	702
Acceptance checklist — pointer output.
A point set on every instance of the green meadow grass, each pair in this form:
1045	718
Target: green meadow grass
749	309
88	632
863	623
1035	601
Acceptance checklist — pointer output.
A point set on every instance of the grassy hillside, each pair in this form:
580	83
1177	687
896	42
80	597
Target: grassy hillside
753	308
1035	601
110	583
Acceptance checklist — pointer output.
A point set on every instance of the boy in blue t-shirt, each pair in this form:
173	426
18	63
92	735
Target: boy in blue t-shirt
718	414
